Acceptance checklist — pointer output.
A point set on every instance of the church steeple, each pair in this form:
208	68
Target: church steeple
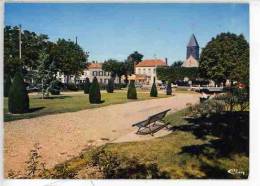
193	48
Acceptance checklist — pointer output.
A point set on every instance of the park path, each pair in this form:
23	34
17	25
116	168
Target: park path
63	136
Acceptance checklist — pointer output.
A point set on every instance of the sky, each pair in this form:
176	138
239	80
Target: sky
116	30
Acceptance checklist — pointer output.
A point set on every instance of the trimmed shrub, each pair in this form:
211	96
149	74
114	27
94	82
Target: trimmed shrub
154	92
131	93
86	86
7	85
55	87
72	87
18	101
110	86
169	89
94	92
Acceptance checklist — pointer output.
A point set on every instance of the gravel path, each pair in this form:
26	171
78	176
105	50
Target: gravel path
63	136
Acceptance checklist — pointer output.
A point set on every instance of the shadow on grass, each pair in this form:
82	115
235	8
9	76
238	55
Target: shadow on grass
31	110
229	135
231	130
102	101
54	97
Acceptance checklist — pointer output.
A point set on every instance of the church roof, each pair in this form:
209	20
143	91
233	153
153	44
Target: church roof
151	63
193	41
190	62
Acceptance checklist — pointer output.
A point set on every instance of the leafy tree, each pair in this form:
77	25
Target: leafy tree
32	44
169	88
94	92
86	86
110	86
176	73
132	59
154	92
45	74
7	85
131	92
226	57
115	67
177	64
18	101
70	58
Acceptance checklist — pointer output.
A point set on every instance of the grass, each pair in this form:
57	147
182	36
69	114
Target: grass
69	102
195	149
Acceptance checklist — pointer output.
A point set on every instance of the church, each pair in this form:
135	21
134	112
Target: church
192	56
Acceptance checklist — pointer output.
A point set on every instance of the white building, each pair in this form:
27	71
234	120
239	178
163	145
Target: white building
145	71
91	71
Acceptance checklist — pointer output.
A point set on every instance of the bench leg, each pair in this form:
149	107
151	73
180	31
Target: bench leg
151	132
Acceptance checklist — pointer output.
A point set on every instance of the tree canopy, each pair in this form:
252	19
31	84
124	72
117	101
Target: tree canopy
64	56
177	63
225	57
115	67
172	74
69	57
135	57
32	44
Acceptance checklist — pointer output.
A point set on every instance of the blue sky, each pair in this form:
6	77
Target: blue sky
116	30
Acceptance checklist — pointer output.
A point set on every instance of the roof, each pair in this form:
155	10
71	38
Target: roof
95	66
190	62
151	63
193	41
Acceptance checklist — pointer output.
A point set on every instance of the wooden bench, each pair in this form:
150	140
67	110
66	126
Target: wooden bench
153	124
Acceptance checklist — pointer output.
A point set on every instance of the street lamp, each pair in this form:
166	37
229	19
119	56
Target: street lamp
20	42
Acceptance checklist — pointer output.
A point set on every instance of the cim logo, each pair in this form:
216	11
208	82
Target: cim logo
236	172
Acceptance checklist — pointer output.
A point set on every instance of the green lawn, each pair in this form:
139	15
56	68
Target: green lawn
69	103
195	149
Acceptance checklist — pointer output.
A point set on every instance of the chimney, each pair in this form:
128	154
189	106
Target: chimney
166	61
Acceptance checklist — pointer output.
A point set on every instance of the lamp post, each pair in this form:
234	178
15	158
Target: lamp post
20	42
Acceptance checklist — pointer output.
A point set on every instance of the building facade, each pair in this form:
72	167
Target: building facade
91	71
145	71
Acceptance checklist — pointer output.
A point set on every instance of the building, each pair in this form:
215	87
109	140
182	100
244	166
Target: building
92	70
145	71
95	70
192	55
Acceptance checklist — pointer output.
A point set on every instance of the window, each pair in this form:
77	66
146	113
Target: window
101	80
149	71
100	73
154	71
144	70
94	73
139	71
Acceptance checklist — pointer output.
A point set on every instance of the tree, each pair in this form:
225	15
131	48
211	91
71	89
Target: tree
94	92
177	64
226	57
110	86
131	92
132	59
115	67
176	73
86	86
46	73
7	85
70	58
32	44
154	92
18	101
169	88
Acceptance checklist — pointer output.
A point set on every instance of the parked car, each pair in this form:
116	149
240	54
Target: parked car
32	88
